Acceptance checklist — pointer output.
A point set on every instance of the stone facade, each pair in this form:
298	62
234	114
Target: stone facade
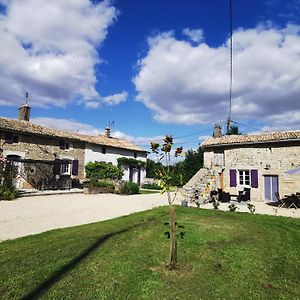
268	160
48	158
33	148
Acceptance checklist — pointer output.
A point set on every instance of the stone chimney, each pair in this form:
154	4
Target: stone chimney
24	111
217	131
107	132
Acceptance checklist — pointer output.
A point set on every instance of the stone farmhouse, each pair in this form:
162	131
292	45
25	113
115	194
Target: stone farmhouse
259	162
49	158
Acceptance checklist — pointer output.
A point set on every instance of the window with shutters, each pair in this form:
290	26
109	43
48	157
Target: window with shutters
244	177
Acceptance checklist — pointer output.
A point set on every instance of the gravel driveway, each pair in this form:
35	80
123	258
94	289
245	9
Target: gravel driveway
36	214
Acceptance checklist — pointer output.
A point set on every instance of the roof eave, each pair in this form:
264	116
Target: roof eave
247	143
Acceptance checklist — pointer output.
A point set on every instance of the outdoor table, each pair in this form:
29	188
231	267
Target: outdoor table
292	200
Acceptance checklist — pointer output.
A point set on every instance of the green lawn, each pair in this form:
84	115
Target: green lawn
144	191
224	255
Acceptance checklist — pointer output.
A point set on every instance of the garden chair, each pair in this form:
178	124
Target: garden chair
280	201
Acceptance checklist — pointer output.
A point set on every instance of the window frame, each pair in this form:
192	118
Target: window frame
65	169
242	177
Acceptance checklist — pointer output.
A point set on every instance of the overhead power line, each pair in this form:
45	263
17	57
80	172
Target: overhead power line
230	66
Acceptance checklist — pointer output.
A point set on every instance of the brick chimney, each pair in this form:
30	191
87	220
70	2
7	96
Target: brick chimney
24	111
107	132
217	131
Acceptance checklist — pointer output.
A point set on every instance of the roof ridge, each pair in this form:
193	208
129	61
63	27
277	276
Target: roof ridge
275	136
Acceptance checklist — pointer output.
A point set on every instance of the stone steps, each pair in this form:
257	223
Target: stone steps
200	185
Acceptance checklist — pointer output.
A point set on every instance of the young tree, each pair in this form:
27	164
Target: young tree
166	175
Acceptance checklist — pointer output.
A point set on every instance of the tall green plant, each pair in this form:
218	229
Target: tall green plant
7	173
103	170
166	174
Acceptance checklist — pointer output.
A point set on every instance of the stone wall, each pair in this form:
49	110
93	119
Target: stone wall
269	159
44	148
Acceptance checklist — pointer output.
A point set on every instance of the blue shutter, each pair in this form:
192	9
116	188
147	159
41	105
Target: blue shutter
254	178
232	178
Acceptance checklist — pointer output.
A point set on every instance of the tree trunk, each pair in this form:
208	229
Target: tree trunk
173	243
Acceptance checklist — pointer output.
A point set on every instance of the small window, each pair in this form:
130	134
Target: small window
65	169
15	139
219	157
65	145
8	138
11	138
103	150
134	155
244	177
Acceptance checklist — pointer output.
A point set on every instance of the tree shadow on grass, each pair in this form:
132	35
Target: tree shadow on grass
59	274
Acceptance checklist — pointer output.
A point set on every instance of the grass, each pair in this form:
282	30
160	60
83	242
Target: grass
144	191
224	255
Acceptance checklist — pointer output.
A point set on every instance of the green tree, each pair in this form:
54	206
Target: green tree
152	168
192	163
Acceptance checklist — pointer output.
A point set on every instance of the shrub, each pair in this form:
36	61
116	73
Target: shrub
103	170
7	173
232	207
215	203
129	188
9	194
251	208
151	186
95	183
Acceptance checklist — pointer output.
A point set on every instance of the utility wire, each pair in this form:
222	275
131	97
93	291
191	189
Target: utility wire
183	136
230	66
231	63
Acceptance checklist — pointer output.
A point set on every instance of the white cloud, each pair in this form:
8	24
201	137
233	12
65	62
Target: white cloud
285	121
115	99
83	128
49	48
142	140
67	124
188	84
196	35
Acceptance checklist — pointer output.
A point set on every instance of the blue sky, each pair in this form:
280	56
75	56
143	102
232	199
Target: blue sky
152	67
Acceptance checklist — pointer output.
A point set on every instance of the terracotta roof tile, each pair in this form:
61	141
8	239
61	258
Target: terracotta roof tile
227	140
27	127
